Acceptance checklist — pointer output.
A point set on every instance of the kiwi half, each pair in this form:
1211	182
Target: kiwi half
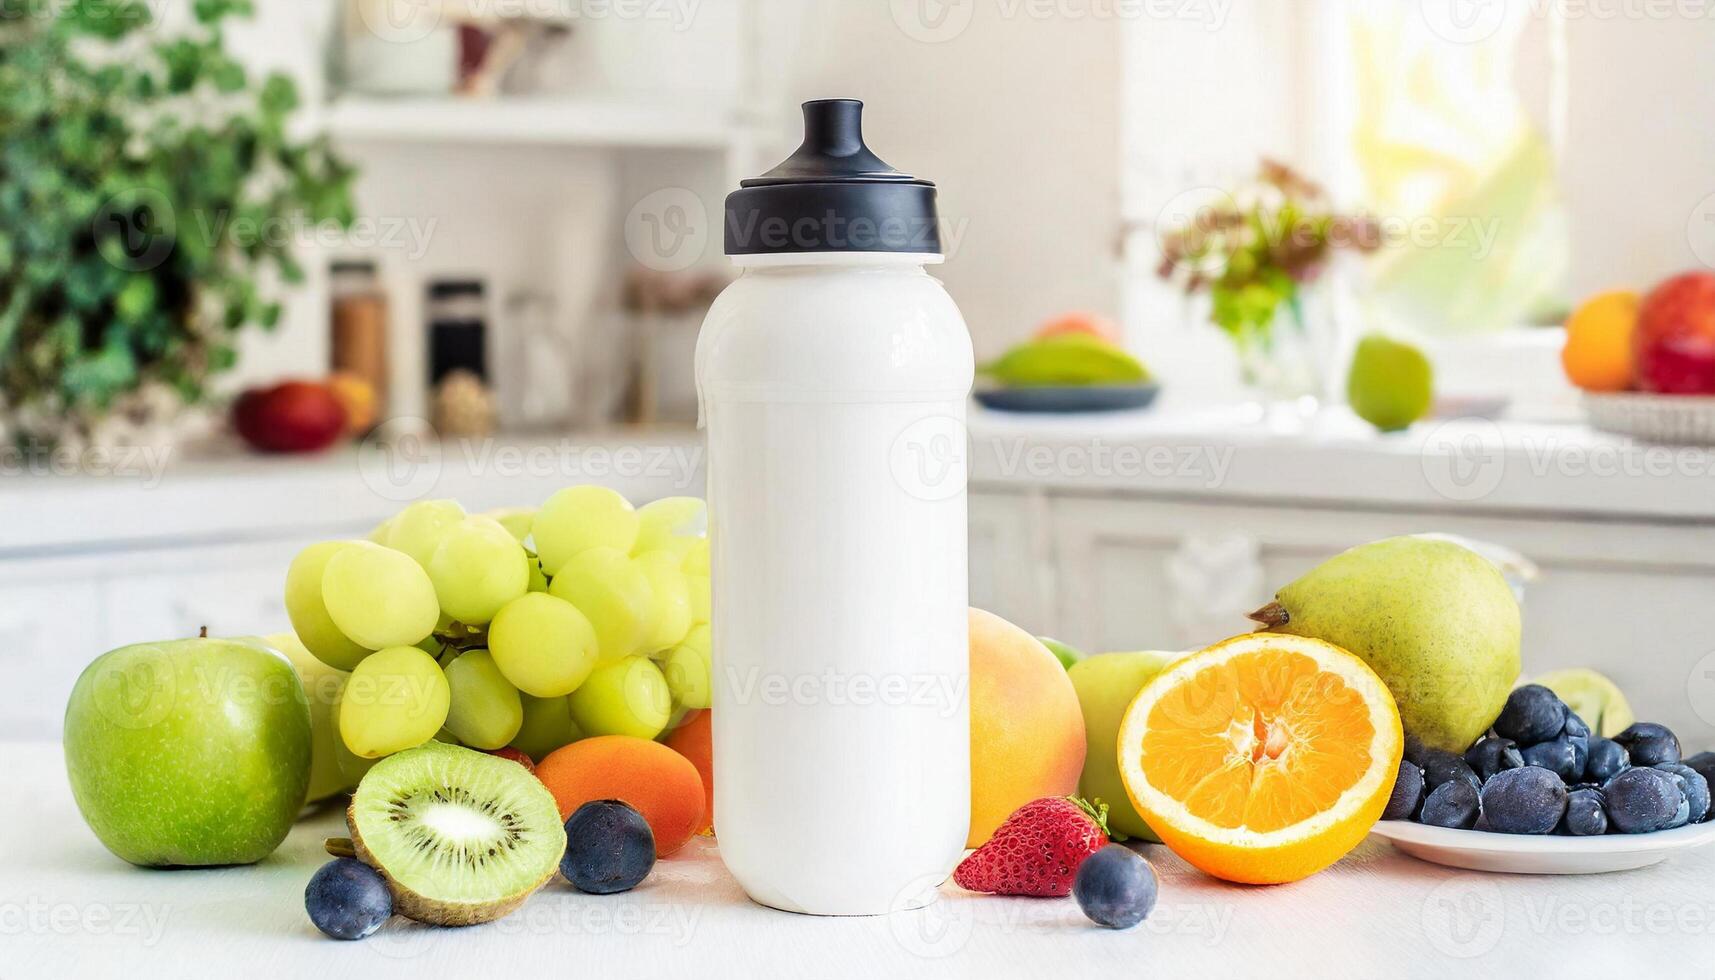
462	837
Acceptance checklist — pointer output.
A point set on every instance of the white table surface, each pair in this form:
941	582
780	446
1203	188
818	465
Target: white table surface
70	909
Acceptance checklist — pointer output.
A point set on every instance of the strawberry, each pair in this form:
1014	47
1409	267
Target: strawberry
1038	849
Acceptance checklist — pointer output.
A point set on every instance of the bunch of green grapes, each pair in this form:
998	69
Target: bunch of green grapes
522	628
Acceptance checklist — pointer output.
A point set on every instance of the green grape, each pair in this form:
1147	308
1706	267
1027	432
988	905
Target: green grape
538	581
624	697
697	558
579	518
516	520
688	669
543	645
478	568
671	592
379	597
395	699
610	588
378	534
417	530
671	523
445	735
309	614
701	598
486	712
547	726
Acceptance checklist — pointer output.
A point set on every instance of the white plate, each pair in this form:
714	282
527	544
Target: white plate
1682	420
1546	855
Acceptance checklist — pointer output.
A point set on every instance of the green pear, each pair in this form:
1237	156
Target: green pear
1435	620
1392	383
1106	685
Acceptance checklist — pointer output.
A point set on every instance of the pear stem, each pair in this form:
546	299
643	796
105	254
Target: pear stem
1272	616
203	633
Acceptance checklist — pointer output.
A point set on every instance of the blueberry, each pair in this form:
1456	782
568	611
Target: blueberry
347	899
1695	788
609	848
1558	756
1492	754
1641	800
1115	887
1607	759
1532	714
1453	804
1442	767
1704	763
1649	744
1585	816
1578	733
1407	792
1528	800
1414	750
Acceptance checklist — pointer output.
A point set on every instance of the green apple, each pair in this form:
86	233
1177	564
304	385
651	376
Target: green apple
1106	684
189	752
322	685
1066	653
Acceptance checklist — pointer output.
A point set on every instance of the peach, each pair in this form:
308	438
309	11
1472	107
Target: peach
660	783
1027	731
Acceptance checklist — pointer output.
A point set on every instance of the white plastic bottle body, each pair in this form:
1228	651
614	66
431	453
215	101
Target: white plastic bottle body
834	390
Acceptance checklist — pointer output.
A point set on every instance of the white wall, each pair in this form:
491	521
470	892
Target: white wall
1017	119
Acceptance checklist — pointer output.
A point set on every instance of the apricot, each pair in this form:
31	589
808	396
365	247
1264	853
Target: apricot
694	740
1027	731
658	782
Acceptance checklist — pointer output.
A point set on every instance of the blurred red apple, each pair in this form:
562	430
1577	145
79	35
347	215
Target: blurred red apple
1675	337
291	417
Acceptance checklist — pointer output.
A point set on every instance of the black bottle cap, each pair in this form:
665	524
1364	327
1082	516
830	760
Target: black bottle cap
832	195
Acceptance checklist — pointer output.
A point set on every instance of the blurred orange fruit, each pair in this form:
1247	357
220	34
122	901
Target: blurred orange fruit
1093	324
1262	759
358	397
1598	351
694	740
653	779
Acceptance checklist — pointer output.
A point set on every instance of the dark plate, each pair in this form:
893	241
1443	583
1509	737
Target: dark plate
1081	398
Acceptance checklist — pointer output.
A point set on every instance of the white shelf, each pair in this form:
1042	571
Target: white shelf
532	121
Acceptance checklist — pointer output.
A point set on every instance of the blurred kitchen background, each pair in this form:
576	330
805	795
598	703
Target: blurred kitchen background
271	269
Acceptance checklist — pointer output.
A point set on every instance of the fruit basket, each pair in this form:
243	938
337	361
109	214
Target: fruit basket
1685	420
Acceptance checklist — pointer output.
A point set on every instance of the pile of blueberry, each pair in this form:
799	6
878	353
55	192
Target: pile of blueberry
1541	771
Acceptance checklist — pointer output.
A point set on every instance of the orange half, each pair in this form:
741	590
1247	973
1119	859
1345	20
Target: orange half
1262	759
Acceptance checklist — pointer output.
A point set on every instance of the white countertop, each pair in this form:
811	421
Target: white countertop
70	909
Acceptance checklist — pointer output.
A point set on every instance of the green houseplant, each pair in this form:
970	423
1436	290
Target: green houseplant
147	191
